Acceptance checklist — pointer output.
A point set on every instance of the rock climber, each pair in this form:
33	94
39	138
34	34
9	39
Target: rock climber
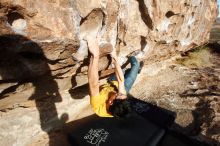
110	100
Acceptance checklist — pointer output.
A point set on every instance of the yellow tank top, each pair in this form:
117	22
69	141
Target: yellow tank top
98	102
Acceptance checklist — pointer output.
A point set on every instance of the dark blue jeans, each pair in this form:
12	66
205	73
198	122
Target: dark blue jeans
130	74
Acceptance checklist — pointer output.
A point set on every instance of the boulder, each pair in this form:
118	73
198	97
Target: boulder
157	29
44	58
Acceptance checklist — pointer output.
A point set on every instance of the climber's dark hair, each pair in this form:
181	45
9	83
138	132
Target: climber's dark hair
120	108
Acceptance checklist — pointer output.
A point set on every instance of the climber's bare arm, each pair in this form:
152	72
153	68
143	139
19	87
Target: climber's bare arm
93	76
118	72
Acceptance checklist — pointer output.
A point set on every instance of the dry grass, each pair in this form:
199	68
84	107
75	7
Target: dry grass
197	57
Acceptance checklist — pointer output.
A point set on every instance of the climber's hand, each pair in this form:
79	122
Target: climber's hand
93	44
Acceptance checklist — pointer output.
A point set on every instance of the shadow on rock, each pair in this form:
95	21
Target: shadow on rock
202	117
79	92
23	61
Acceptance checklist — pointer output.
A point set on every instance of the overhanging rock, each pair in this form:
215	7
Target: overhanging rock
158	29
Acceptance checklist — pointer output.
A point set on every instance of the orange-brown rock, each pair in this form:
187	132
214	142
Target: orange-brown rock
158	29
44	60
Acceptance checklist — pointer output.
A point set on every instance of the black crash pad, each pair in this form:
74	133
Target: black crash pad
143	127
148	125
132	131
157	115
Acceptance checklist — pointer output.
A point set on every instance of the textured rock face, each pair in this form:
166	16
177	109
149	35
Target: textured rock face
44	59
215	31
159	29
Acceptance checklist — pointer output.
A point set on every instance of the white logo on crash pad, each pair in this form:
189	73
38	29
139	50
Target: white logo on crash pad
96	136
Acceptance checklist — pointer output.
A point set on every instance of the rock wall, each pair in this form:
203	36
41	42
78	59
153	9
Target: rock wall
157	29
44	55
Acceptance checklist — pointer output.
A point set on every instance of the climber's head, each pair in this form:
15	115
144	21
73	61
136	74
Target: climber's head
118	105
